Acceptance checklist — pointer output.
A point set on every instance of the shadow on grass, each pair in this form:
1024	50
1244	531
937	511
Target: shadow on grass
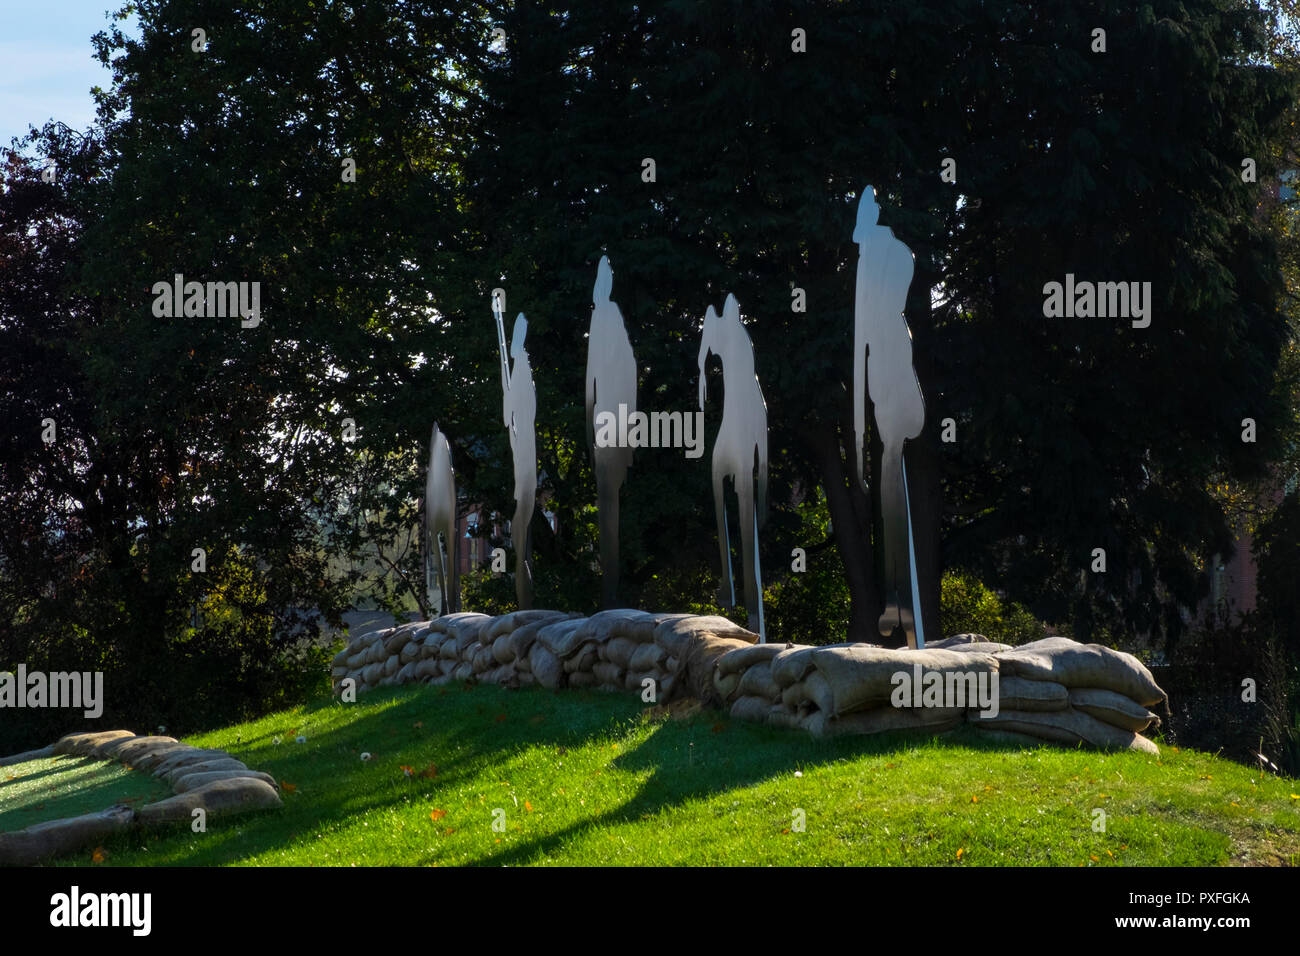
710	754
463	729
99	785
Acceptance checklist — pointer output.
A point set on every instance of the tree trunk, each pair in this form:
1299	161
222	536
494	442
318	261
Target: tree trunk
851	522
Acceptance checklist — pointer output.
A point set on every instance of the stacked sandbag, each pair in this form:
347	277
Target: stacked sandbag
1054	689
692	646
614	650
1058	689
618	636
620	650
500	662
210	780
855	688
404	654
361	661
394	650
745	683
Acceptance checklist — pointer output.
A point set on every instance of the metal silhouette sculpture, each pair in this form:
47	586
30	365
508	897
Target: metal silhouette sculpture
440	516
882	362
739	451
611	382
519	409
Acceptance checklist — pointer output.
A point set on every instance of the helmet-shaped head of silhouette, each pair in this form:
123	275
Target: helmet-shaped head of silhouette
604	281
710	329
868	214
731	309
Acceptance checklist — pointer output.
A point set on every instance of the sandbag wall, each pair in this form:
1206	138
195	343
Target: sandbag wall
1054	689
611	650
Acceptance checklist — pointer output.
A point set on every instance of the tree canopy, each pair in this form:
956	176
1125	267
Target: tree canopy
379	169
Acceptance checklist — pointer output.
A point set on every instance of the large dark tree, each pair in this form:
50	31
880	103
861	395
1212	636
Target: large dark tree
518	164
1122	165
179	433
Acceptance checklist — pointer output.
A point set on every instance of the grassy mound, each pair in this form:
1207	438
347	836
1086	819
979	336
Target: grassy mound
481	775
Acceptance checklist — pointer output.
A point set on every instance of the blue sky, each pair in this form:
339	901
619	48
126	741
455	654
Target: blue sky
47	64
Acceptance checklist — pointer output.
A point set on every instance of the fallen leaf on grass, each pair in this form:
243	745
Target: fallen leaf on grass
528	806
449	831
500	717
960	852
99	856
437	815
718	727
429	772
288	787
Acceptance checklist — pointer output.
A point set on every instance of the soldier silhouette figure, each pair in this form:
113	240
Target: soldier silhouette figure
739	451
440	515
519	410
882	362
611	381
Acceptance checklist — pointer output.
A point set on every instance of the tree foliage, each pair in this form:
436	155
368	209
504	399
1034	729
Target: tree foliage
481	164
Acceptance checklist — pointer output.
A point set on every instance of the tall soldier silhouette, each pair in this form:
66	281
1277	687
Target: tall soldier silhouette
440	516
882	362
739	451
519	410
611	382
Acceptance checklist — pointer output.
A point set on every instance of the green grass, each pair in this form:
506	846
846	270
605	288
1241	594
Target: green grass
586	778
41	790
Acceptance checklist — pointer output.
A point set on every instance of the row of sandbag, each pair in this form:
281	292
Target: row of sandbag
1058	689
201	779
611	650
1053	689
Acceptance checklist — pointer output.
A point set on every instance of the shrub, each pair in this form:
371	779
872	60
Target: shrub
966	605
